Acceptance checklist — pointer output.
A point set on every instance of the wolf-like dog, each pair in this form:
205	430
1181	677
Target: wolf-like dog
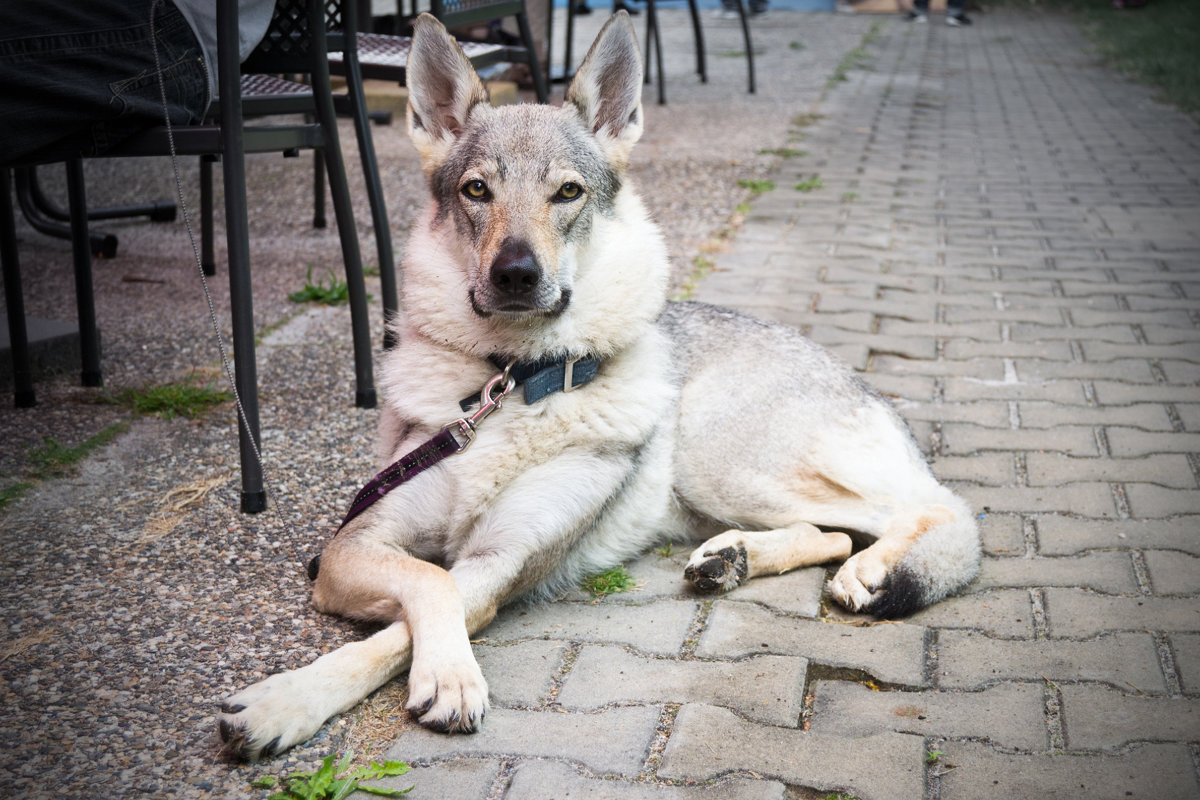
647	421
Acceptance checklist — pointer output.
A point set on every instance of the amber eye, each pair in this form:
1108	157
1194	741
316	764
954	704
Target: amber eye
476	190
568	191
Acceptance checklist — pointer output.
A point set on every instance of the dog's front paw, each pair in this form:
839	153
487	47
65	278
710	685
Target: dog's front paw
860	582
448	695
717	568
270	716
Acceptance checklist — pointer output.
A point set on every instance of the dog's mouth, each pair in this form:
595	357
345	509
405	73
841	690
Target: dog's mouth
518	308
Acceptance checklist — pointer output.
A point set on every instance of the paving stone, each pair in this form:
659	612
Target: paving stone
1054	469
708	742
967	660
1102	571
1008	715
521	673
766	688
1150	771
1063	535
1186	649
963	439
1148	416
997	612
1069	392
459	778
1089	499
1002	534
989	469
615	741
1127	442
1102	718
1147	500
891	652
797	592
659	627
1080	613
1173	573
549	780
992	414
1134	370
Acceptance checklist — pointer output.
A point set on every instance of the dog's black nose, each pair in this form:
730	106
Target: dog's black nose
515	270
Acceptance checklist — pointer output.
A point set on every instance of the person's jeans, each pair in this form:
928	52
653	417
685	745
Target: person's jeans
954	8
78	76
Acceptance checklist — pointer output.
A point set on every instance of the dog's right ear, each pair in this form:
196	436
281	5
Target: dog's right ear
607	88
442	90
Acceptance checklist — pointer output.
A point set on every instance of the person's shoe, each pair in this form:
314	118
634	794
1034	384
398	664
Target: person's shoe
630	10
761	14
917	16
581	9
957	20
726	13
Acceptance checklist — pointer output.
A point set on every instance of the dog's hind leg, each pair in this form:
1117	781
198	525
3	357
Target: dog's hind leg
730	558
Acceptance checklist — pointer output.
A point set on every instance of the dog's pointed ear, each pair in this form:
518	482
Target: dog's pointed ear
442	89
607	89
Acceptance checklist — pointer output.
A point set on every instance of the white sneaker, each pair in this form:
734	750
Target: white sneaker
726	13
917	16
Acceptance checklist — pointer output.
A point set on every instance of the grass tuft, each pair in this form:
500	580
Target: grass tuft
186	399
336	293
611	581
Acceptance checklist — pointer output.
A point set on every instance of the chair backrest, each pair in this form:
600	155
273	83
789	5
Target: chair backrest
289	44
455	13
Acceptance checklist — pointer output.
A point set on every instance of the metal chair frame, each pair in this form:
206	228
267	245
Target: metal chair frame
295	50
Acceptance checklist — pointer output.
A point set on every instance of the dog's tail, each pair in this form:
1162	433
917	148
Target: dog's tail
942	560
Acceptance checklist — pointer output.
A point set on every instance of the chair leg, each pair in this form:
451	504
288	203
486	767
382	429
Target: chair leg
653	32
748	44
158	211
379	217
85	297
14	299
339	191
208	258
319	220
568	43
103	245
535	67
698	34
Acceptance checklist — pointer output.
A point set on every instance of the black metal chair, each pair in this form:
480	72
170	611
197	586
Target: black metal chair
290	46
654	45
385	57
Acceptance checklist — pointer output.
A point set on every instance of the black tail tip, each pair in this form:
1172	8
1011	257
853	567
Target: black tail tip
314	567
905	595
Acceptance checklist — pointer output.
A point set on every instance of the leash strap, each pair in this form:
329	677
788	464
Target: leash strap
408	467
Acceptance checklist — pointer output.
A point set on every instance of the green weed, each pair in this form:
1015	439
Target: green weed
932	756
336	293
53	460
666	550
782	152
186	399
757	186
811	184
611	581
334	781
849	197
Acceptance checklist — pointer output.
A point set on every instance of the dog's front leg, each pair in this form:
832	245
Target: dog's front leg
287	708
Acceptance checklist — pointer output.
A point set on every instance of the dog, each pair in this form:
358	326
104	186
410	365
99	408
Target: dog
536	263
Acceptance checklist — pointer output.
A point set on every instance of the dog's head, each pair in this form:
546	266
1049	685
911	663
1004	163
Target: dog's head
523	186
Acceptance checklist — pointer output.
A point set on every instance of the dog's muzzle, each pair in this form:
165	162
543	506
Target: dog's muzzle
515	273
516	285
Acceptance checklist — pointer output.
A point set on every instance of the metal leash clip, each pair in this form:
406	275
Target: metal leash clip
490	399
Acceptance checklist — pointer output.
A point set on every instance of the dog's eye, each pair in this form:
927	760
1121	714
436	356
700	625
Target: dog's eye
476	190
568	192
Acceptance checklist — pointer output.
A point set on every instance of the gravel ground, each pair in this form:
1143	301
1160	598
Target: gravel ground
136	594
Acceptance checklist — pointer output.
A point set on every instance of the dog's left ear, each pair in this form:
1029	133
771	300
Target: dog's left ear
442	90
607	89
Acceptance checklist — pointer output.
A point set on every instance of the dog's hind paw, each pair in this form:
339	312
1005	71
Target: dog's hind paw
717	569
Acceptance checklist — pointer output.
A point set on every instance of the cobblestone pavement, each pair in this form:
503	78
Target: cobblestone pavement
1002	235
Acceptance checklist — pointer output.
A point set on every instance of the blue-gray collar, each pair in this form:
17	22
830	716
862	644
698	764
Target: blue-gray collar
545	376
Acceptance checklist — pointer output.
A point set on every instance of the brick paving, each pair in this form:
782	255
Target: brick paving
1005	240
